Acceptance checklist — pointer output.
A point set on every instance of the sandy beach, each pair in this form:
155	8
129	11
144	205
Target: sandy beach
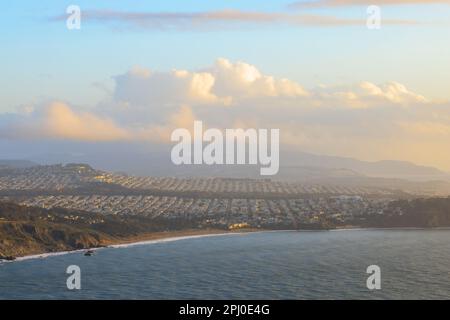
169	236
144	239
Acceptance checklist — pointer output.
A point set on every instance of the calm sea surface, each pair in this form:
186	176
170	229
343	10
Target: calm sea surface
273	265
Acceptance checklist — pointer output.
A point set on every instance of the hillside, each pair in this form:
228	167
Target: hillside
417	213
30	230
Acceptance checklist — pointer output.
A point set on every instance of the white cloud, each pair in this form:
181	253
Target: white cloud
365	120
393	91
240	80
58	121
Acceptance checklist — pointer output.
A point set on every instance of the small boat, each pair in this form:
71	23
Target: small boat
89	253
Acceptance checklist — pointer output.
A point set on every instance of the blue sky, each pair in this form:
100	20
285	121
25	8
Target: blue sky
41	59
319	74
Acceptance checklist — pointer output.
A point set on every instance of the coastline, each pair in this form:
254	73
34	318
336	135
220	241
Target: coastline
171	236
145	239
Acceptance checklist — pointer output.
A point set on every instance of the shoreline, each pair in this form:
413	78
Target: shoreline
172	236
145	239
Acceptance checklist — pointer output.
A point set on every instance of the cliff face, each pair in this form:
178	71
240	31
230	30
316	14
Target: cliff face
24	238
25	230
31	230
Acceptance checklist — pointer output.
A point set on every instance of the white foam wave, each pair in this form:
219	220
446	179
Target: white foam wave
116	246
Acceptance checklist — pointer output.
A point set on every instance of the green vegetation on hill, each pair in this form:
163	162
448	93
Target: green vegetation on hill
417	213
31	230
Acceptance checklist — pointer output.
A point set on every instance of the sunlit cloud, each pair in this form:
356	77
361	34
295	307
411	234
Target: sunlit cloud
57	120
364	120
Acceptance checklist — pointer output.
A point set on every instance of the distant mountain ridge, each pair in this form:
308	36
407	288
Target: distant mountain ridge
382	168
155	161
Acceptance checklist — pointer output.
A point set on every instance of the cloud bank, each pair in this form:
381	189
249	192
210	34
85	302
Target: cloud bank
363	120
57	120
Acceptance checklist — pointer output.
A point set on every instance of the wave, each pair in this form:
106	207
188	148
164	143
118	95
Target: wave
179	238
118	246
171	239
51	254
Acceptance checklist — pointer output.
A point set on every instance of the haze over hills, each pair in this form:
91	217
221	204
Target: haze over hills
17	164
141	159
154	160
384	168
308	175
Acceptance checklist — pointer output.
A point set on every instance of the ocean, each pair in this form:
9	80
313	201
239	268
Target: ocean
414	264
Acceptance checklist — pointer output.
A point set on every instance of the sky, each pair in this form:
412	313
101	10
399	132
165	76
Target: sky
138	69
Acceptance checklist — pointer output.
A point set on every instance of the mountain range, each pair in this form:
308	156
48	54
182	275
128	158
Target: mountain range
154	160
